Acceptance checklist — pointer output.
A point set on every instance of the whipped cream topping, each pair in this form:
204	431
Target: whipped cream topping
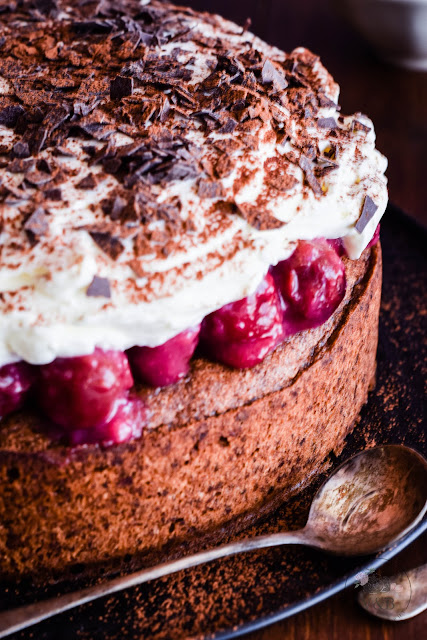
173	155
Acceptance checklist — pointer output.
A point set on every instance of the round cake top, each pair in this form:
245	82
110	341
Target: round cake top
154	161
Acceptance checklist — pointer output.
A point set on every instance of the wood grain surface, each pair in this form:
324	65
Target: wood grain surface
396	100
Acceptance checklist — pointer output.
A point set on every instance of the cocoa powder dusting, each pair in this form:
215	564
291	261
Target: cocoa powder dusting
92	70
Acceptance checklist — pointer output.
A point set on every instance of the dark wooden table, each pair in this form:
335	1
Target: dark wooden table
396	100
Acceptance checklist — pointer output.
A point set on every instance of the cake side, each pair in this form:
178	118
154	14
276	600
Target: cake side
206	476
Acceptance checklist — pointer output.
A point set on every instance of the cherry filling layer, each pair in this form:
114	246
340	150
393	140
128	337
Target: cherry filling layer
89	399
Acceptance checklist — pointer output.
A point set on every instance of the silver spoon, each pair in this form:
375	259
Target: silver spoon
398	597
371	500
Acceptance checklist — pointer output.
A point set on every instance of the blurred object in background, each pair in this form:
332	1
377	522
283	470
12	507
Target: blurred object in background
396	29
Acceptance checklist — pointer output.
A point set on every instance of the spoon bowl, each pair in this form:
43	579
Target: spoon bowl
398	597
370	501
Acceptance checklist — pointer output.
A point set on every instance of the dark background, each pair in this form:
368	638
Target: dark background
396	100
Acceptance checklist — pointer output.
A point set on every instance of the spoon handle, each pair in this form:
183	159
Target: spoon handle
22	617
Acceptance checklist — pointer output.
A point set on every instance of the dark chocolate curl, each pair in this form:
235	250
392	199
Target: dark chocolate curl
99	288
368	212
121	87
271	75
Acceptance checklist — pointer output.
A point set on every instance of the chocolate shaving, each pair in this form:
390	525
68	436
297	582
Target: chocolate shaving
46	7
112	165
53	194
327	123
356	125
21	150
10	115
247	25
99	288
323	167
10	193
309	151
137	267
229	126
231	65
85	108
326	102
20	165
224	166
208	189
206	115
37	224
307	168
368	212
277	174
56	116
134	69
121	87
93	26
109	244
37	140
88	182
114	207
164	110
43	165
64	150
142	246
271	75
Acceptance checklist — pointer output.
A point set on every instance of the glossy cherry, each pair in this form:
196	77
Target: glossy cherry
337	245
127	423
312	283
82	392
167	363
15	382
242	333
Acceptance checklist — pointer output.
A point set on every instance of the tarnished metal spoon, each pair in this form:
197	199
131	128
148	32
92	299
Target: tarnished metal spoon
398	597
369	502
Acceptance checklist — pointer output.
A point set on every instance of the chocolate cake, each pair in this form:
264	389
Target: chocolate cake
207	470
190	279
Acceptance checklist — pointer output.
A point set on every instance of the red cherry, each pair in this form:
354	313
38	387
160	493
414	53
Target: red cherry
81	392
312	283
243	333
337	244
130	417
15	381
167	363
